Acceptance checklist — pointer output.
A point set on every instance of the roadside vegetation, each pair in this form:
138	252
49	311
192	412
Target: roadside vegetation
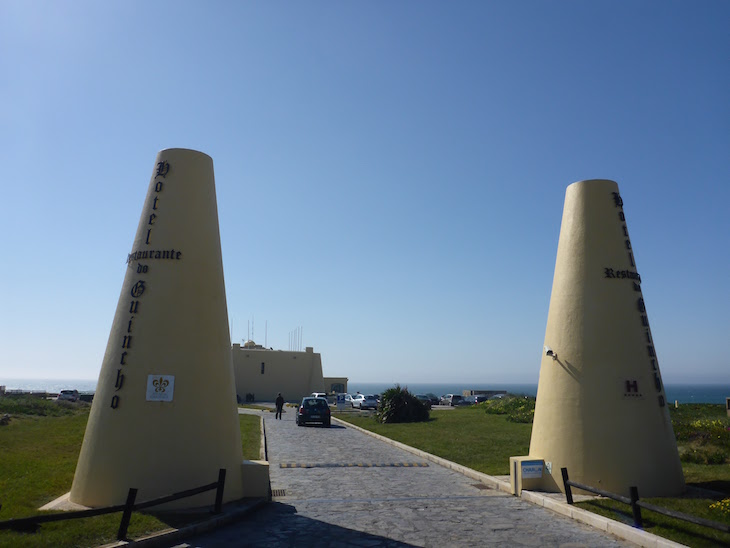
465	434
515	408
484	436
399	405
40	447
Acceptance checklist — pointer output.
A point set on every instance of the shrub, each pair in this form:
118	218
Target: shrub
722	507
399	405
703	455
31	405
517	408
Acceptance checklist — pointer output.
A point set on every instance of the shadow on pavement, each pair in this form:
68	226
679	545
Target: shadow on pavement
278	524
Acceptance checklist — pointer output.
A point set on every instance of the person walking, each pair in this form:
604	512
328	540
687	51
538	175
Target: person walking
279	406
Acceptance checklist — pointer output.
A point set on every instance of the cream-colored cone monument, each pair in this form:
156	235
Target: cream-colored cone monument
164	417
601	409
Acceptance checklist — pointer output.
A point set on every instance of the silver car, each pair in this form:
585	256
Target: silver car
362	401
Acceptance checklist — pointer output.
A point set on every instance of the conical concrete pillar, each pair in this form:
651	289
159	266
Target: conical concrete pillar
164	417
601	409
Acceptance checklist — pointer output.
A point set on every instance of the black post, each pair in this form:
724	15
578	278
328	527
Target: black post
635	508
127	514
568	491
219	490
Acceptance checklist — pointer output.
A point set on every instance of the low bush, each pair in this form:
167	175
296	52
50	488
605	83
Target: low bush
40	407
702	432
703	455
722	508
517	408
399	405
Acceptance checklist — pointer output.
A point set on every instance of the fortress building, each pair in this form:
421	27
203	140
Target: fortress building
261	373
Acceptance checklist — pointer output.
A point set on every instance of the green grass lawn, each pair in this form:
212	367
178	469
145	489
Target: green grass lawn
466	435
38	453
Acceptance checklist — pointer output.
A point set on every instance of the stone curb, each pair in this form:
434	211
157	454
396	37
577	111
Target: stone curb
621	530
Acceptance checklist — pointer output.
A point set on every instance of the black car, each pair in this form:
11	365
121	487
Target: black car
423	398
314	410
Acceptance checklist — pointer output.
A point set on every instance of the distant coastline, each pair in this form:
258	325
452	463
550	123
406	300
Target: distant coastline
682	393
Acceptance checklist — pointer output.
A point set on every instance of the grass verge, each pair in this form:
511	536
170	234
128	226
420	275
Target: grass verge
466	435
38	455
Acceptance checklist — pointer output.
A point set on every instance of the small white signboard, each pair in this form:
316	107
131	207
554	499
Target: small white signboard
532	469
160	387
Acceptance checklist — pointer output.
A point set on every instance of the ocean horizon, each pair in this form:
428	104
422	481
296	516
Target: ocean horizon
679	392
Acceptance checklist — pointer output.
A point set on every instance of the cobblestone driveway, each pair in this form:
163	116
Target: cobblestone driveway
339	487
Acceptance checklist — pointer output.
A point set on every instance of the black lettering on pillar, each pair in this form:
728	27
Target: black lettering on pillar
138	289
115	401
640	305
133	307
127	342
657	382
662	403
129	325
162	169
124	355
154	203
632	386
120	380
650	349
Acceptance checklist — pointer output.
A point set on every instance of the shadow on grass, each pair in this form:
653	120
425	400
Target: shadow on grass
719	486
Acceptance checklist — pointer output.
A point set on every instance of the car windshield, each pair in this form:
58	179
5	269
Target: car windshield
314	404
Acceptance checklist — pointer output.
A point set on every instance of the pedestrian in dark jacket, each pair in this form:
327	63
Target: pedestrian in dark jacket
279	405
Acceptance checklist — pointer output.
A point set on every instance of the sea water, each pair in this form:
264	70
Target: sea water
682	393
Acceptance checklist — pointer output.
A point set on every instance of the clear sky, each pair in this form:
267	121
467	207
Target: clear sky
390	175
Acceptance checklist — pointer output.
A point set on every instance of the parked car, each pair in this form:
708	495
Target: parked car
318	395
435	400
423	398
314	410
348	399
452	400
68	395
362	401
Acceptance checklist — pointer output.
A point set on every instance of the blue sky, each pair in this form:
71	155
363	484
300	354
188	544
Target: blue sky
390	175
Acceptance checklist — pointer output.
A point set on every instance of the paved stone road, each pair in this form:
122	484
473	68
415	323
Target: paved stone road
337	503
